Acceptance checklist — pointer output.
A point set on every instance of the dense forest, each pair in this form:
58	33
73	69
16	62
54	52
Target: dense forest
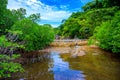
99	21
20	33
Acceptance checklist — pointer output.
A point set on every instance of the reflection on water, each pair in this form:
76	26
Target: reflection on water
62	71
95	65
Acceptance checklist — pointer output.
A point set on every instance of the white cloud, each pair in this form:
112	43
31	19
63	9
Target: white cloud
12	4
56	15
34	6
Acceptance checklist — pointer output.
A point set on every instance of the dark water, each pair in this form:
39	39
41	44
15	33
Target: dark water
95	65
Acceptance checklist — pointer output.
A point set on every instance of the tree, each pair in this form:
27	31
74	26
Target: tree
82	24
35	17
108	33
47	25
97	4
3	5
35	36
19	14
110	3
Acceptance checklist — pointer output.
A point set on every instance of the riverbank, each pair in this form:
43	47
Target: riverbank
60	47
68	43
78	48
85	59
81	49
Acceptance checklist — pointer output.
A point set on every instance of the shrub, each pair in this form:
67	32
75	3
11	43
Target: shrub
7	66
35	36
108	34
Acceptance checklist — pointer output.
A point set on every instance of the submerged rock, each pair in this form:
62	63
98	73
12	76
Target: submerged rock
81	53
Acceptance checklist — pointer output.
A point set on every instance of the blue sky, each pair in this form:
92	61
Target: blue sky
52	11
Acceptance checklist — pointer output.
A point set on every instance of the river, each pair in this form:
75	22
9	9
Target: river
58	63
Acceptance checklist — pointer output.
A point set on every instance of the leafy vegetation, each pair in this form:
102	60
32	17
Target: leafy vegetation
82	24
7	66
34	35
99	20
108	33
18	31
4	42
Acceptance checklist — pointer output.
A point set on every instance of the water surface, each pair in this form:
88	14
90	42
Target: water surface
95	65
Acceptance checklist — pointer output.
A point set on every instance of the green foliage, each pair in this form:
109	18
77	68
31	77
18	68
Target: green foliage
18	14
56	31
7	66
110	3
35	36
97	4
99	19
5	17
93	5
27	30
5	43
82	24
5	58
108	34
34	17
3	4
8	18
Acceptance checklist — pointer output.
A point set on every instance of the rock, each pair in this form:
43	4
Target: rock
81	53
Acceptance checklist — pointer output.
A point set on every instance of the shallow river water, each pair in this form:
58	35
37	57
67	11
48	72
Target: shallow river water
95	65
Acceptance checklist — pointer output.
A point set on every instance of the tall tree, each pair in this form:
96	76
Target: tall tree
96	4
19	14
110	3
35	17
3	16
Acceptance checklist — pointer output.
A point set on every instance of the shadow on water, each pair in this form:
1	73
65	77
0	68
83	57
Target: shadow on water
95	65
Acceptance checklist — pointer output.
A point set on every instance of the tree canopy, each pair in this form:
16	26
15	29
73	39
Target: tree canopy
99	18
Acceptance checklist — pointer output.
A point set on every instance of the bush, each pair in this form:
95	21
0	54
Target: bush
108	34
7	66
4	42
35	36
